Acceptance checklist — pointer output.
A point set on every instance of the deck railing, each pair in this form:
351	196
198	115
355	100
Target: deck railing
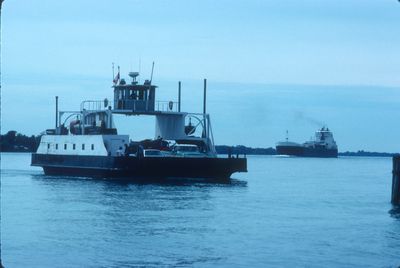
137	106
167	106
91	105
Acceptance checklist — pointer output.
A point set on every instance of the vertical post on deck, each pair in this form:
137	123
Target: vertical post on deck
56	113
396	180
205	110
205	96
1	2
179	96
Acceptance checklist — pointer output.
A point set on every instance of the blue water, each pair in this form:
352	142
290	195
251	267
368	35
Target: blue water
283	212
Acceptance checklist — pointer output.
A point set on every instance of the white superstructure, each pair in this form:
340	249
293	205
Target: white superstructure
100	145
91	130
323	137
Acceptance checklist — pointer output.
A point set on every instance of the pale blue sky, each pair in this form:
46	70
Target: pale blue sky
272	64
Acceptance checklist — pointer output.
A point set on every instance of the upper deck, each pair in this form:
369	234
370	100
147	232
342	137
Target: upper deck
136	99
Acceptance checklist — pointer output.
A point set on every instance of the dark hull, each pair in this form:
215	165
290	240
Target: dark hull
320	152
306	151
290	150
139	168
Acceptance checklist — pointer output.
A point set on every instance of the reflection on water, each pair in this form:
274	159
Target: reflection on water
127	182
395	212
123	195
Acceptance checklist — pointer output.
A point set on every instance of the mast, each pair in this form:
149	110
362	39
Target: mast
113	70
204	96
204	109
56	113
152	69
179	96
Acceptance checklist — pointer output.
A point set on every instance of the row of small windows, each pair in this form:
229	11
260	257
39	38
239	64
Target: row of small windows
73	146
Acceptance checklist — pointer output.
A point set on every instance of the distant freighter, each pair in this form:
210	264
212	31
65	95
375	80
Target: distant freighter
323	146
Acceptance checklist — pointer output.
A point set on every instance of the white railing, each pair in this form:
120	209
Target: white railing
91	105
167	106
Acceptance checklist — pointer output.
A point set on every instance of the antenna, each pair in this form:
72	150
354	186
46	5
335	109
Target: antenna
113	71
119	75
152	69
140	64
287	135
179	96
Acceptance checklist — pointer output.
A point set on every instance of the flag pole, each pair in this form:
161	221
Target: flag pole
113	70
140	63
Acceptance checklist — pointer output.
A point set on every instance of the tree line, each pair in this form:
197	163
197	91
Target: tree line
13	141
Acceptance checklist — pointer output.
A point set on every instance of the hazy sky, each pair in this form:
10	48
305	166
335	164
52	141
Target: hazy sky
271	65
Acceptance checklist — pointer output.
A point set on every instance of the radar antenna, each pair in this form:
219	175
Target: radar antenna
133	75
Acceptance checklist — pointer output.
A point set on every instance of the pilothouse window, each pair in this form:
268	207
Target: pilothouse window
83	147
73	146
65	146
56	146
92	146
48	146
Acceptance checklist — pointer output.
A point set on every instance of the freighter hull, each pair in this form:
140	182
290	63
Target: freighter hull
290	150
138	168
306	151
320	152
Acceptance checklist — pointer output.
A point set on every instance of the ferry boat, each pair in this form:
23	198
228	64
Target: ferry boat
323	145
87	143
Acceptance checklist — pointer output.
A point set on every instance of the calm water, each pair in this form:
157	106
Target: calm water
284	212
